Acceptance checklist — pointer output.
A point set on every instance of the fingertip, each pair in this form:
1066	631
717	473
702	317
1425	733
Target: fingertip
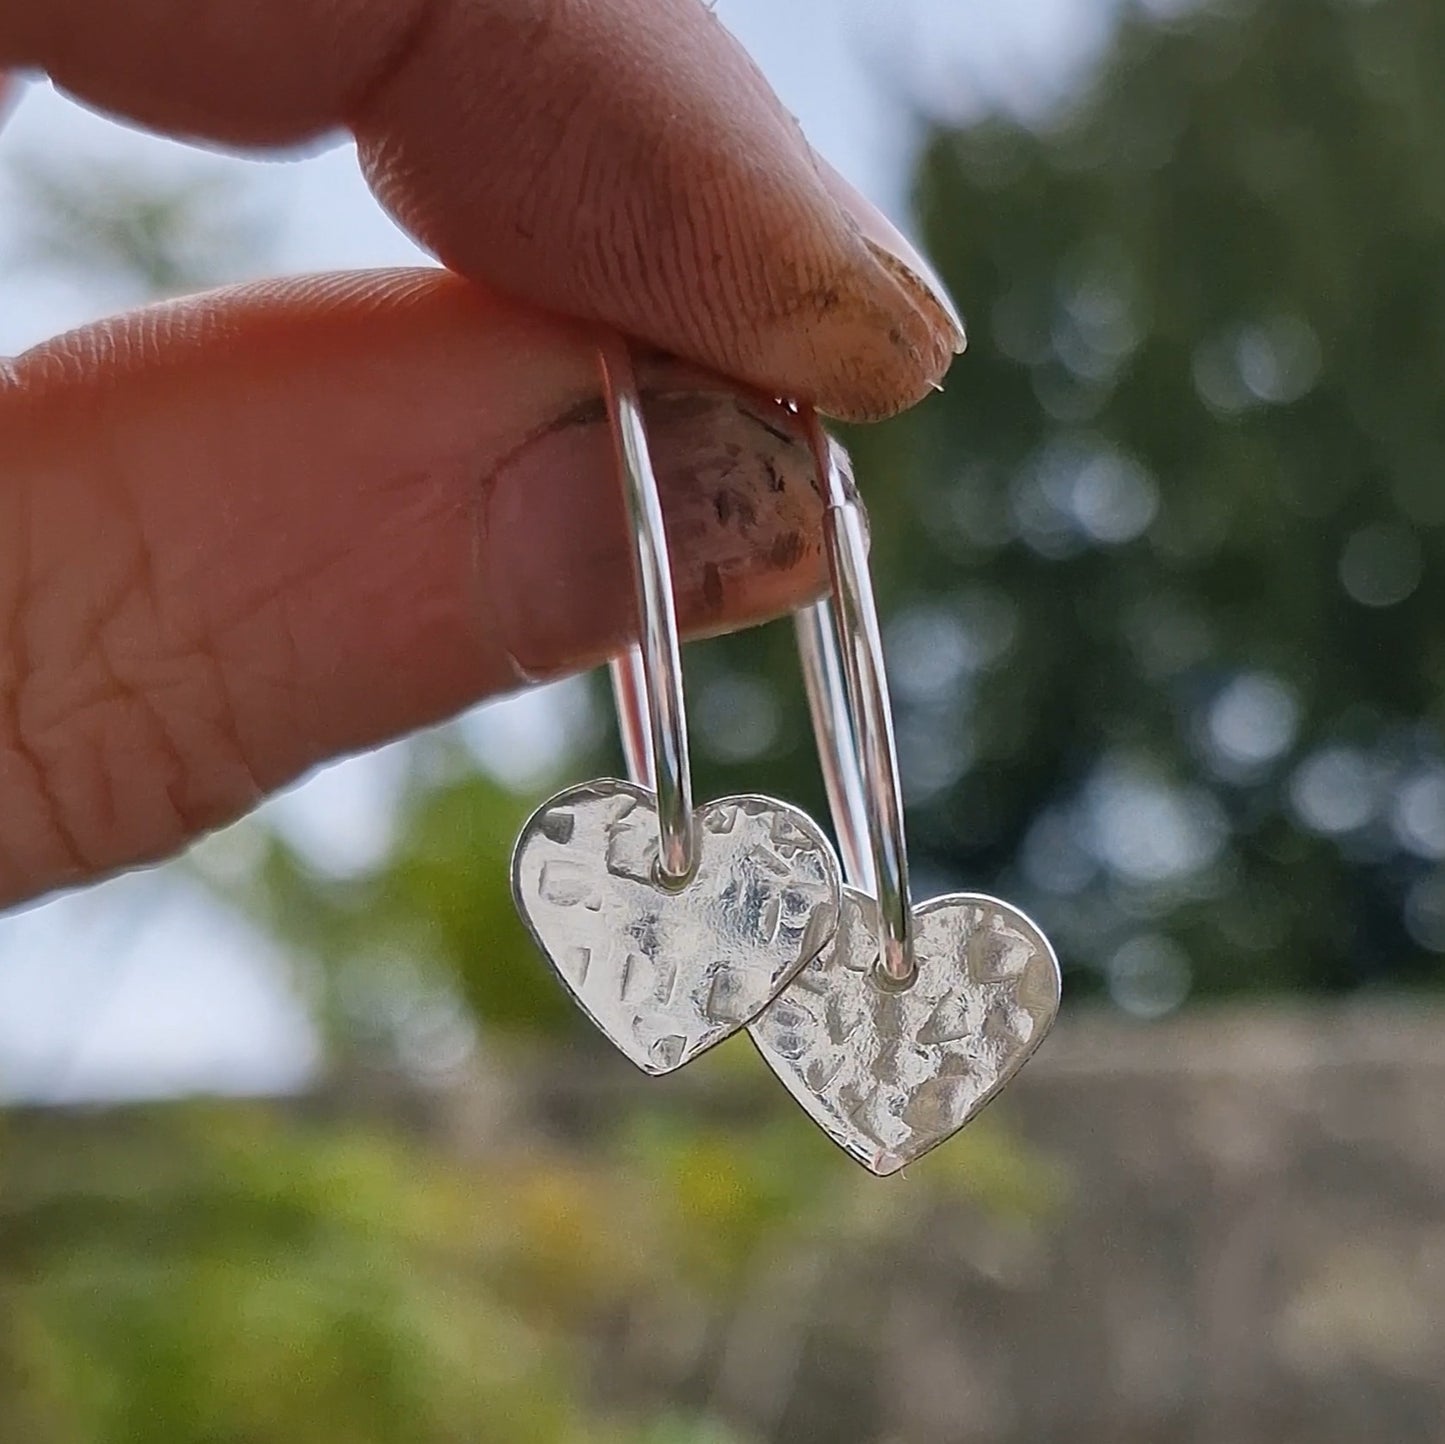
652	182
741	506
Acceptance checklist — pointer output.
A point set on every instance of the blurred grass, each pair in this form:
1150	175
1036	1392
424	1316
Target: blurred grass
226	1272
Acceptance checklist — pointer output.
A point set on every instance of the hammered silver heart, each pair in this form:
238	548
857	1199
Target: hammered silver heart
889	1071
667	973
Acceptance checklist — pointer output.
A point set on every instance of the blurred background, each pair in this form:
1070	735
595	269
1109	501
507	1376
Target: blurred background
298	1139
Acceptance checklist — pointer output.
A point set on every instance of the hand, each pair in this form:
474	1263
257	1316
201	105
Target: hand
248	531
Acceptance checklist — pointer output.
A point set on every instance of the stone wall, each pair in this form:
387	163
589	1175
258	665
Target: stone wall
1251	1250
1246	1246
1229	1229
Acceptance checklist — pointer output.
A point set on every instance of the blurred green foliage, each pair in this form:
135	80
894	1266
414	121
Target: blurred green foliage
153	236
211	1273
1164	569
221	1274
437	906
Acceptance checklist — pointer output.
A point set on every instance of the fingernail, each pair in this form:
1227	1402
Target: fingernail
744	527
897	255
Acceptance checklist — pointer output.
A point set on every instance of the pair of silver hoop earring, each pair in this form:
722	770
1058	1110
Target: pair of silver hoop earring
674	926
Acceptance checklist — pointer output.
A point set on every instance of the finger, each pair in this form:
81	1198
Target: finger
618	160
250	531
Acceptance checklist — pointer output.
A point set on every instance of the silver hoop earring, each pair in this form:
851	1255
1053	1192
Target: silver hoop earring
912	1018
671	926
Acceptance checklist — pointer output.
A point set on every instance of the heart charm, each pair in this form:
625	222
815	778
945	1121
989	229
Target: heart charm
667	972
888	1070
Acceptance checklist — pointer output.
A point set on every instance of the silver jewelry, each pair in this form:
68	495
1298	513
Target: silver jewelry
912	1018
672	927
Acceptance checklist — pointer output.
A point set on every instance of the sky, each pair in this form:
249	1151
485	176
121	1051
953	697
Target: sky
143	986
